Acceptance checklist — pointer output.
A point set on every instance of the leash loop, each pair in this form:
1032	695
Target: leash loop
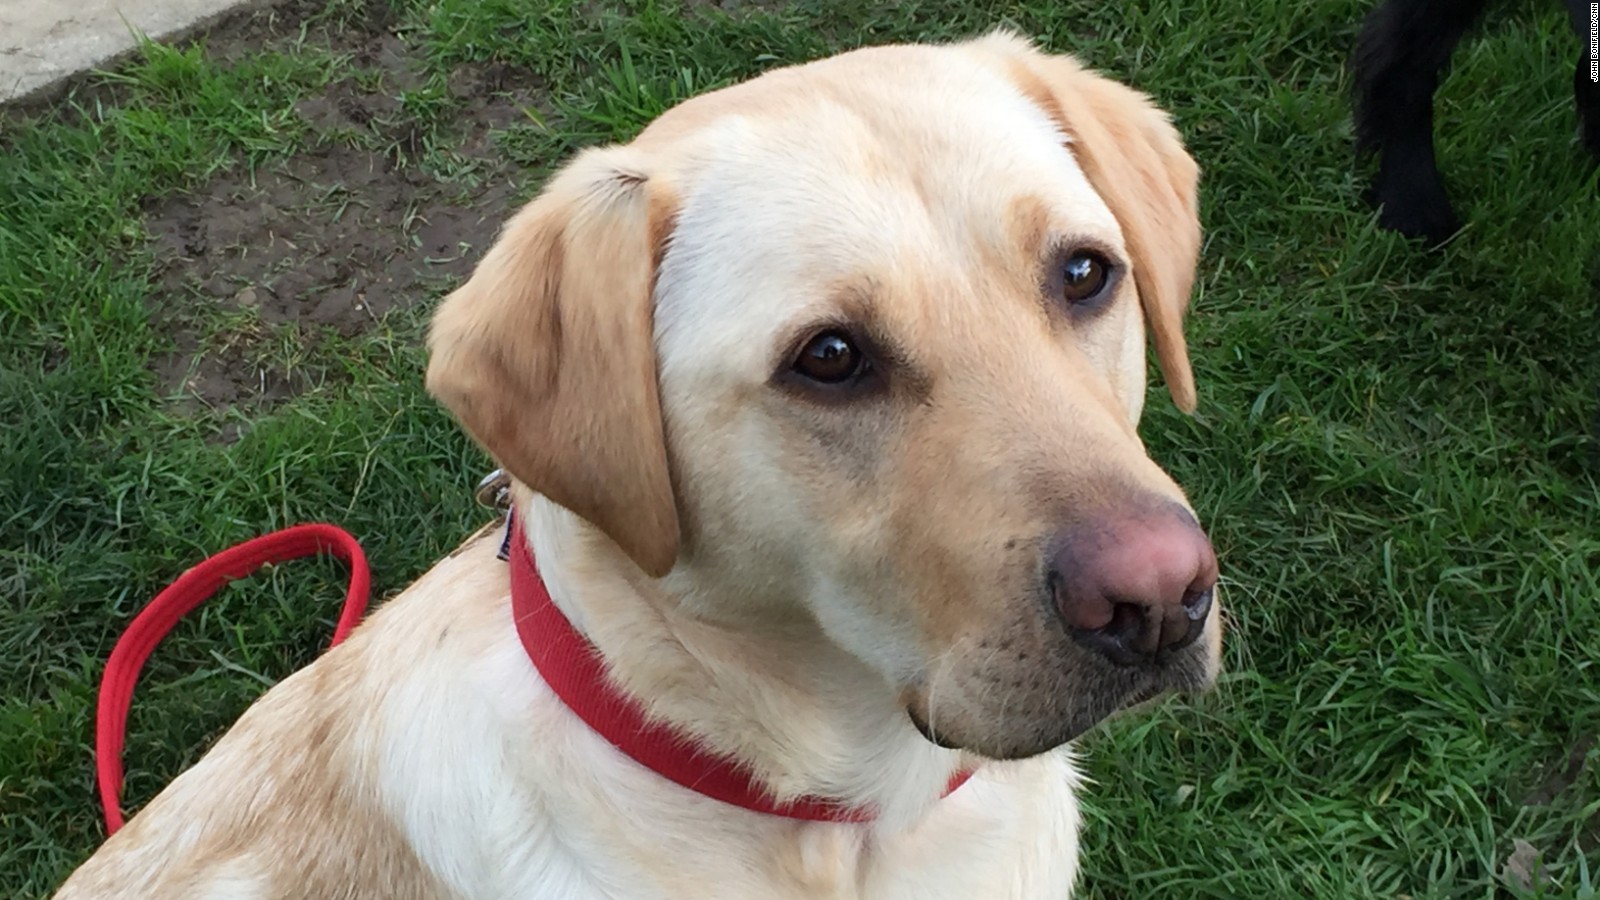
192	588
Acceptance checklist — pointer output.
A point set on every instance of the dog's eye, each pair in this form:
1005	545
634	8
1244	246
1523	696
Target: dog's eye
830	358
1084	276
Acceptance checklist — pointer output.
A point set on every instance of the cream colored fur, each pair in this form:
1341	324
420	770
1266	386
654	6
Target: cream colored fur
783	579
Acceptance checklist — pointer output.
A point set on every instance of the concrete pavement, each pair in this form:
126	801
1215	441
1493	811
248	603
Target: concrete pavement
45	42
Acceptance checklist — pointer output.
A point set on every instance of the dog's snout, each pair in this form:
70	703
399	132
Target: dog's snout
1135	588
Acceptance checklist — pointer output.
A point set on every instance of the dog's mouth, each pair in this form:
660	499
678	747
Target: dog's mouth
1022	734
927	731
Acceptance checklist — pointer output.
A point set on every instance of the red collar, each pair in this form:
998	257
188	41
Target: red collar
572	668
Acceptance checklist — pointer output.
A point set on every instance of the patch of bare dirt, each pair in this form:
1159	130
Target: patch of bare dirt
331	239
226	371
736	5
1557	778
335	237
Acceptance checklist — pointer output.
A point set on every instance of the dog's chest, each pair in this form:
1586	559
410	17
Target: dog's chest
505	793
569	818
624	836
959	855
811	863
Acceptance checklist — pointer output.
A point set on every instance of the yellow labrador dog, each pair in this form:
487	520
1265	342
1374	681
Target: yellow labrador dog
819	399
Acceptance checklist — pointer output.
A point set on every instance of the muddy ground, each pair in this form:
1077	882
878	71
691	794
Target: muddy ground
333	238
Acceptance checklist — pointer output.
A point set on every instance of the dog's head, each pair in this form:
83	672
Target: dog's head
864	340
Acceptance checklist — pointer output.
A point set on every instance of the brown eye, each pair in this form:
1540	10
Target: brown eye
1084	276
829	358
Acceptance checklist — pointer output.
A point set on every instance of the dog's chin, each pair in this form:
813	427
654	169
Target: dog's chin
1022	738
1030	743
933	737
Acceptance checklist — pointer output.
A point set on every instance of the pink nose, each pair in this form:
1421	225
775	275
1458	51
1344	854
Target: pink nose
1135	588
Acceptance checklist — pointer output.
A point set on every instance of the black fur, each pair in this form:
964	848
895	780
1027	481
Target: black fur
1403	50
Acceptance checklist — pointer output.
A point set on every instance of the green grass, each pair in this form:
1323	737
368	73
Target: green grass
1391	452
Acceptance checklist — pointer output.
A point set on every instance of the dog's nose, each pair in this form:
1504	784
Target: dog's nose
1135	588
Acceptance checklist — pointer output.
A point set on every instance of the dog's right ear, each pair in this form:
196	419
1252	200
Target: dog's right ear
546	355
1135	160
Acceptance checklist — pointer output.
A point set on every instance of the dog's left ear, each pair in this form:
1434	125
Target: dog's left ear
1136	161
547	355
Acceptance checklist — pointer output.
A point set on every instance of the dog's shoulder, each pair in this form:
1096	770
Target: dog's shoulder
305	788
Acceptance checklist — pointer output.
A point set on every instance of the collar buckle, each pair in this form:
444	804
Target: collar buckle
494	491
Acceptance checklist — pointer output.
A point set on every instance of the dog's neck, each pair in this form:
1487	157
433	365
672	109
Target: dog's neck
808	718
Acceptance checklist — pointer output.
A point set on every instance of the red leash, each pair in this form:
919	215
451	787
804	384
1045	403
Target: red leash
566	660
190	590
